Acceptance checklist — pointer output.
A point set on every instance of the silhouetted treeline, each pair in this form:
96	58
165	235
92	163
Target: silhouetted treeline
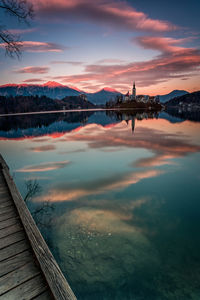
192	98
21	104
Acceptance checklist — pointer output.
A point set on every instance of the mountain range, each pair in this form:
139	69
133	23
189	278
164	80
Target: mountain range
56	90
173	94
192	98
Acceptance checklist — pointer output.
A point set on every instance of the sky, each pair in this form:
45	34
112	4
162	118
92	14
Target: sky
108	43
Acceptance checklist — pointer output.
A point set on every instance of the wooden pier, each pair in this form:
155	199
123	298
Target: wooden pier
27	268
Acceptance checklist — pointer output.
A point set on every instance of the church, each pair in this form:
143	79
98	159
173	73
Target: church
129	97
139	98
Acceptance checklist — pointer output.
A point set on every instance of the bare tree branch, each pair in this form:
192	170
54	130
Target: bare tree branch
21	10
33	188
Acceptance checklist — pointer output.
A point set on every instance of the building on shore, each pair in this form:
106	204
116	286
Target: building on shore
139	98
84	97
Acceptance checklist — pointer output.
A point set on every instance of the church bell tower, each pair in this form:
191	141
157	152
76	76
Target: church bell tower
134	91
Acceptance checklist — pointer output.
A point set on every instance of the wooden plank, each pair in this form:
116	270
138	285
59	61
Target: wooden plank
44	296
6	210
10	230
55	278
5	204
15	262
14	249
17	277
5	197
8	216
11	239
9	222
26	290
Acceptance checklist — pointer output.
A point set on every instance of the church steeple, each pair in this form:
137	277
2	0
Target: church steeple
134	91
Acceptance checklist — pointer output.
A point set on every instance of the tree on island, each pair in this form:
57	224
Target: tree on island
22	11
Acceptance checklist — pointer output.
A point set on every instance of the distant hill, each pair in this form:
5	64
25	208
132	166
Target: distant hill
102	96
192	98
55	90
171	95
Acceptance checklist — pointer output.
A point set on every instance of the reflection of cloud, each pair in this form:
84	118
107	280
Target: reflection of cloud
101	220
43	167
43	148
40	140
33	70
156	160
94	216
72	151
164	146
86	234
121	181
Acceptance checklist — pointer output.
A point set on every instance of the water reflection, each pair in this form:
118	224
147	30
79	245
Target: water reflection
125	191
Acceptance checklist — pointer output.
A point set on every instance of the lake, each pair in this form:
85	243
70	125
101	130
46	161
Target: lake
117	199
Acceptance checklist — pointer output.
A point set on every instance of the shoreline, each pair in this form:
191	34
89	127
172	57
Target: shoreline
75	110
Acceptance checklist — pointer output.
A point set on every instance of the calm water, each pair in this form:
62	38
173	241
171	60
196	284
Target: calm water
119	203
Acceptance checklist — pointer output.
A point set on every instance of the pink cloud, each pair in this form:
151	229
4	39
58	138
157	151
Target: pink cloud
22	31
110	61
163	44
61	62
105	12
33	80
33	70
34	46
174	62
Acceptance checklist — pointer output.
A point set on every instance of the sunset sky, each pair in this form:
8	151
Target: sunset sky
108	43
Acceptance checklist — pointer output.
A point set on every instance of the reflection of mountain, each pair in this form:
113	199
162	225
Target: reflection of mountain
24	126
45	124
55	123
184	114
186	107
